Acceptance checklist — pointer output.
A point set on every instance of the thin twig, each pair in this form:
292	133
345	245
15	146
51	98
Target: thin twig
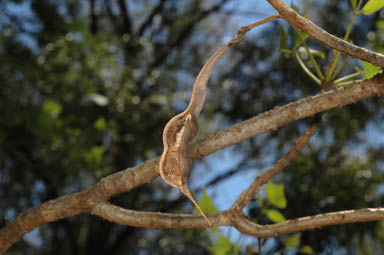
245	226
248	194
280	116
128	179
266	20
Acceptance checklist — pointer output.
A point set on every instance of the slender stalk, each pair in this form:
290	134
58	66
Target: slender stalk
336	57
345	78
339	68
341	84
260	22
306	70
311	57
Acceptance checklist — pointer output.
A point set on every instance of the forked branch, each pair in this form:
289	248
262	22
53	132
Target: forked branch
95	199
248	194
326	38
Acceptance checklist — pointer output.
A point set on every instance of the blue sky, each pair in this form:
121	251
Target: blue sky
225	193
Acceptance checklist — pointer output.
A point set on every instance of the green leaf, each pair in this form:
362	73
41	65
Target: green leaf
292	240
52	108
370	70
100	124
306	13
380	229
306	249
299	37
361	72
283	39
275	215
275	195
80	25
372	6
206	204
353	3
260	201
283	47
94	156
225	247
380	24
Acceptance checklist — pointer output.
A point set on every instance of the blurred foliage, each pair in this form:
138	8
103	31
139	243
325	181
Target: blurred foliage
224	246
275	195
206	204
87	86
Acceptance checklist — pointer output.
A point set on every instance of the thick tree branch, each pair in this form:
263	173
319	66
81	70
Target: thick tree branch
47	212
159	220
280	116
81	202
94	199
323	36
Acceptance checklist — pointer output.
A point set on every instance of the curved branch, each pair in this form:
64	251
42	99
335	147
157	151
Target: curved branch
77	203
248	194
280	116
123	216
244	225
50	211
233	218
93	199
323	36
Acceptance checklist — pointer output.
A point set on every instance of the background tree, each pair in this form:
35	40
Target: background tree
87	87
